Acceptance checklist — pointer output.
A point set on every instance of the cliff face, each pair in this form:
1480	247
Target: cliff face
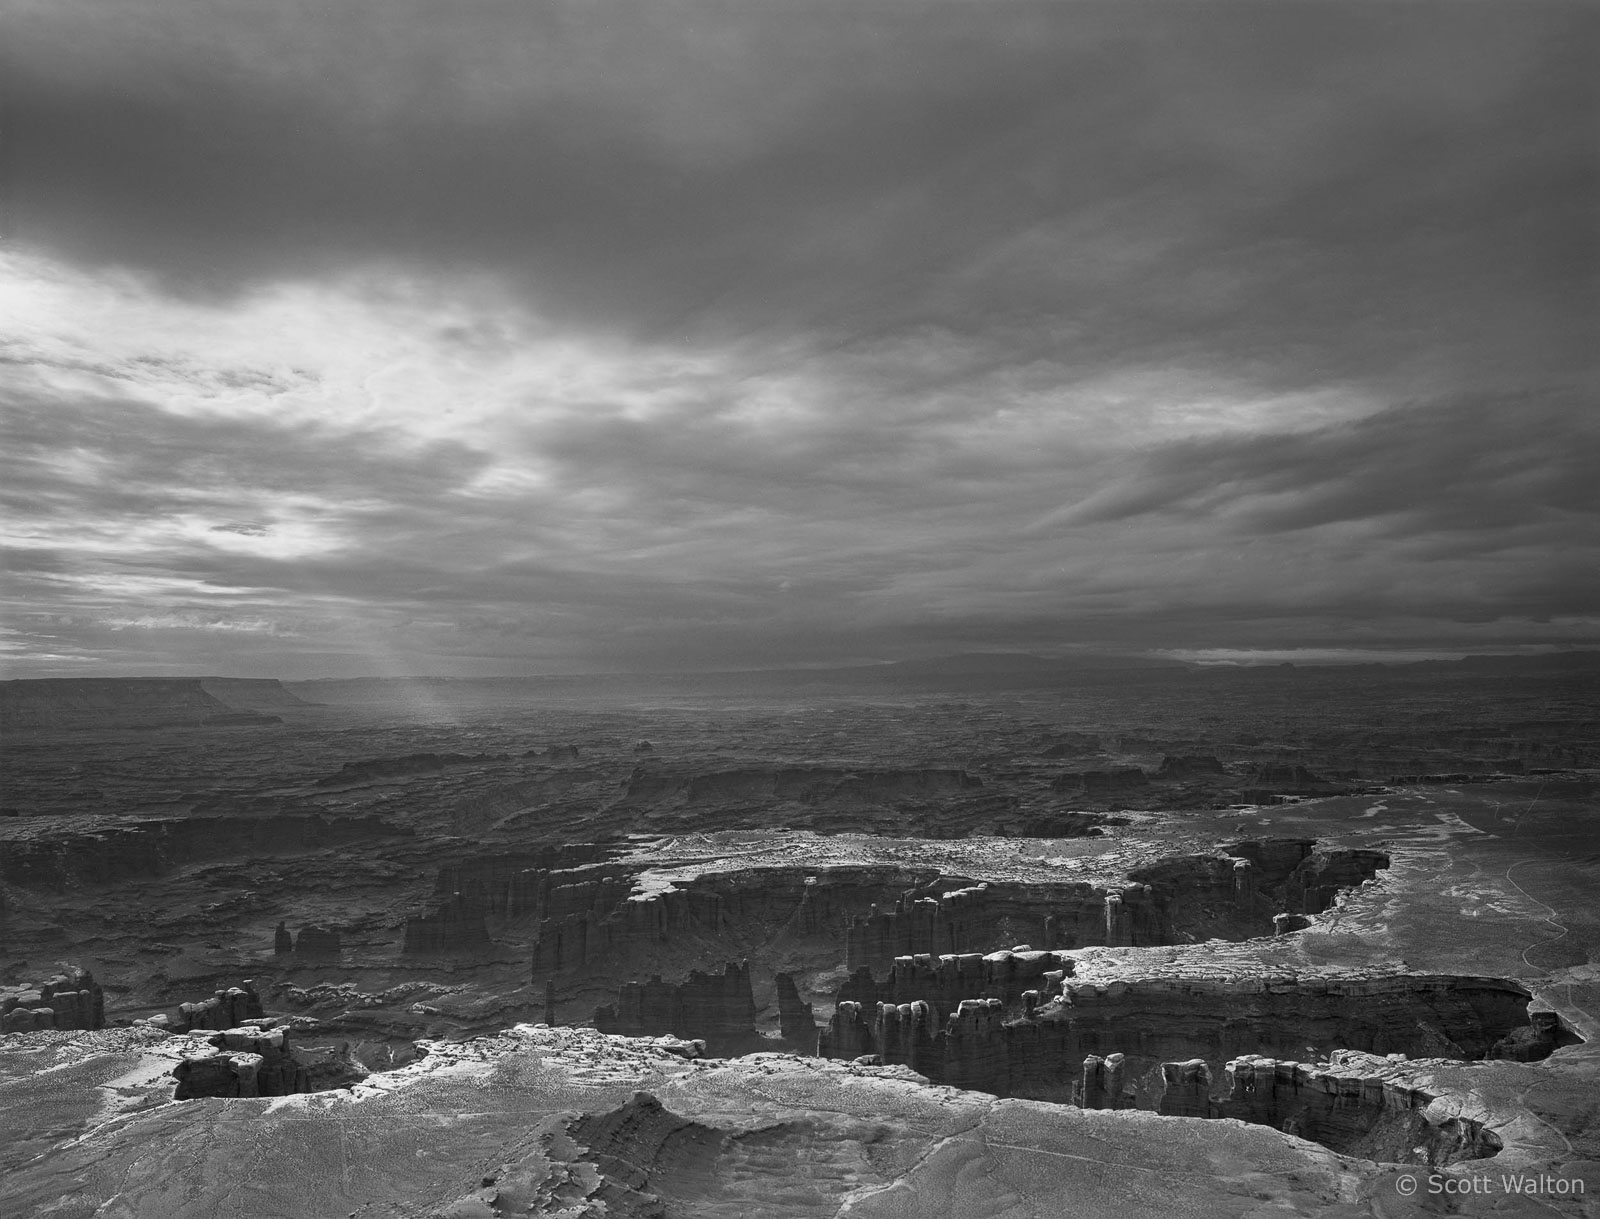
797	1022
718	1009
242	1061
455	926
599	918
776	1137
981	917
1316	882
1034	1045
546	882
225	1009
315	941
604	915
1231	895
1356	1105
259	1059
943	982
127	702
69	1000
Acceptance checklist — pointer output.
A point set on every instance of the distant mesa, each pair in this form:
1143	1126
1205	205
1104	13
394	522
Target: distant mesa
76	703
263	694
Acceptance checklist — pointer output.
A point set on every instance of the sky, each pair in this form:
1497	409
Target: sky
533	337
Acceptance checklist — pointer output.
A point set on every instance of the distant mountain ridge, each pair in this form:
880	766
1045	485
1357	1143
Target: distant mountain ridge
1005	667
150	702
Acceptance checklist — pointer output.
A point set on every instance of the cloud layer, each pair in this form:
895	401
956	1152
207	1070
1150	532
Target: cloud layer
700	334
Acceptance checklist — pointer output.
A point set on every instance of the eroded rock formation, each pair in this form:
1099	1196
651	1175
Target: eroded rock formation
313	941
455	926
600	917
945	981
1023	1046
1103	1084
1356	1104
243	1061
718	1009
71	999
1185	1089
797	1021
1231	895
603	912
257	1059
226	1009
543	882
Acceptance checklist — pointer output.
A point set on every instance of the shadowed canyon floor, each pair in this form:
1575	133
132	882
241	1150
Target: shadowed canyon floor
1204	943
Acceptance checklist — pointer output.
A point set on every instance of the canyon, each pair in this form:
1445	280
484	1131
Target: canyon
1338	922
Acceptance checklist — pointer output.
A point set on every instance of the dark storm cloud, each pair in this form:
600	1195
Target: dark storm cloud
1325	190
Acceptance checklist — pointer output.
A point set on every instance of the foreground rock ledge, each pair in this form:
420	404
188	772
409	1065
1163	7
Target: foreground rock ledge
540	1120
